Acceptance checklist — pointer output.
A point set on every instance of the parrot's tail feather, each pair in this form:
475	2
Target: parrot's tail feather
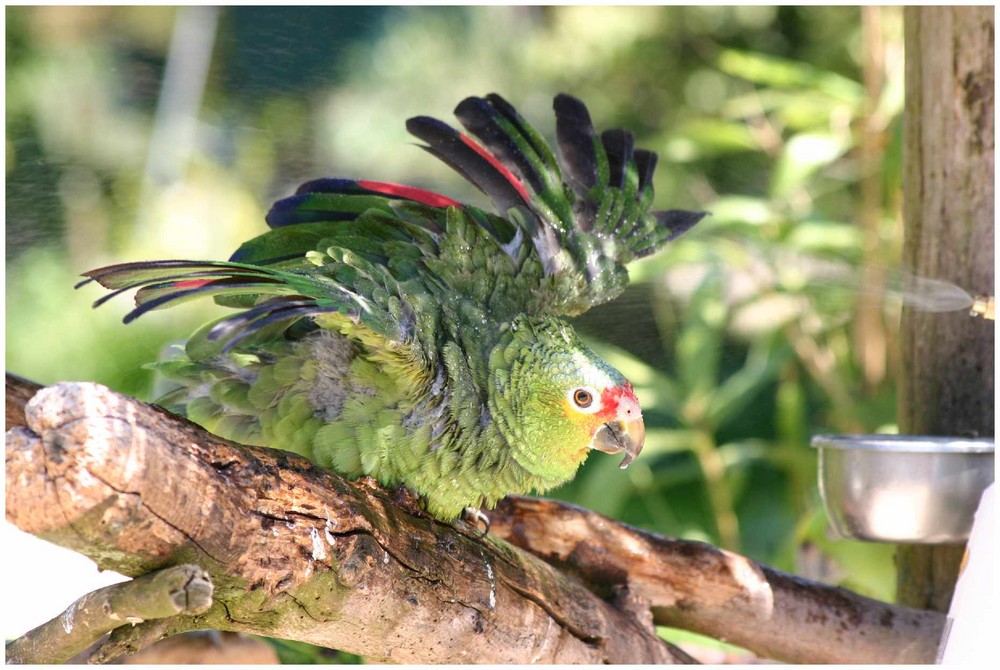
673	222
424	197
362	247
165	291
603	188
224	329
613	182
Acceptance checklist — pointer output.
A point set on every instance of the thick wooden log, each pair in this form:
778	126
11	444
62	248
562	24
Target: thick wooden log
946	385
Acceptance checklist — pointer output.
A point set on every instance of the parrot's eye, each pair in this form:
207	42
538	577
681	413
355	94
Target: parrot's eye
582	398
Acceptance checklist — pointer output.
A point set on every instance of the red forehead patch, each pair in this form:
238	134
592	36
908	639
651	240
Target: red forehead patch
611	397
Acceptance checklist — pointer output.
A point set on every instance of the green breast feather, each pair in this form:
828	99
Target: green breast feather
389	331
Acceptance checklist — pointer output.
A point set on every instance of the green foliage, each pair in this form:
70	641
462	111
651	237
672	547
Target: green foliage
291	652
741	338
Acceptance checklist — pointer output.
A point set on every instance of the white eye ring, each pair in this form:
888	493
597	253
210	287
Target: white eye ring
584	400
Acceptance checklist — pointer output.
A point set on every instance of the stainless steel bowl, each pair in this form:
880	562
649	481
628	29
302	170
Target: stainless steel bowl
903	488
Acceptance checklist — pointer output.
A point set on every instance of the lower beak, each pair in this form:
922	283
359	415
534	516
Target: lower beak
617	436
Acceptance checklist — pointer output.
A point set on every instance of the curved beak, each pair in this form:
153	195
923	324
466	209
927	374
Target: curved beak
622	434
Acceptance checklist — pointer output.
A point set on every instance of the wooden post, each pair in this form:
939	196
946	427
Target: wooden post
946	385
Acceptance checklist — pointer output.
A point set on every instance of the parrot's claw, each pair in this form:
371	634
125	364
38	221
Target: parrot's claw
474	517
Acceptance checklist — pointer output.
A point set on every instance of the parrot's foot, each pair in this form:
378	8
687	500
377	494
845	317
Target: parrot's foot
475	517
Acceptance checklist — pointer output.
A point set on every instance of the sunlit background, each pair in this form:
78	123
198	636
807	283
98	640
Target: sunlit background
157	132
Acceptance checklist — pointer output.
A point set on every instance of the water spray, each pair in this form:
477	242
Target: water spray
919	293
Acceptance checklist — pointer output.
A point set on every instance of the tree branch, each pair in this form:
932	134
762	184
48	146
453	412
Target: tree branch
698	587
297	552
294	551
182	589
19	392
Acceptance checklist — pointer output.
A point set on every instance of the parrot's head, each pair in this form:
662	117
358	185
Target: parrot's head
557	400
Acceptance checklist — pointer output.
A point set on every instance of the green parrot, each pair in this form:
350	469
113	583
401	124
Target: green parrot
389	331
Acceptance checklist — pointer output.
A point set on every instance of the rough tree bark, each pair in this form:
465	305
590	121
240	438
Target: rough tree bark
946	385
299	553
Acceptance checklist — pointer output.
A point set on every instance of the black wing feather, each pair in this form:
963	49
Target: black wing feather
575	134
448	145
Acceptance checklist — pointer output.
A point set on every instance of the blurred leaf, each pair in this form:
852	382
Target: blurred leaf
783	73
291	652
604	488
890	103
761	316
803	155
791	416
698	346
729	209
708	137
737	392
825	236
665	440
726	653
796	110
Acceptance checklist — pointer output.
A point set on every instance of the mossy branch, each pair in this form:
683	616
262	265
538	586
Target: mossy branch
181	589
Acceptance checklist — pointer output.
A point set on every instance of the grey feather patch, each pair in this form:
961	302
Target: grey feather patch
439	380
430	411
332	354
548	246
514	246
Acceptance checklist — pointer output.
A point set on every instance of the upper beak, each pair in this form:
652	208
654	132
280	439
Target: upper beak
621	435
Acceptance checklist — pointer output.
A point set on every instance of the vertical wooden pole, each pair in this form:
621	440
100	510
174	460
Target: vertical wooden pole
946	384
